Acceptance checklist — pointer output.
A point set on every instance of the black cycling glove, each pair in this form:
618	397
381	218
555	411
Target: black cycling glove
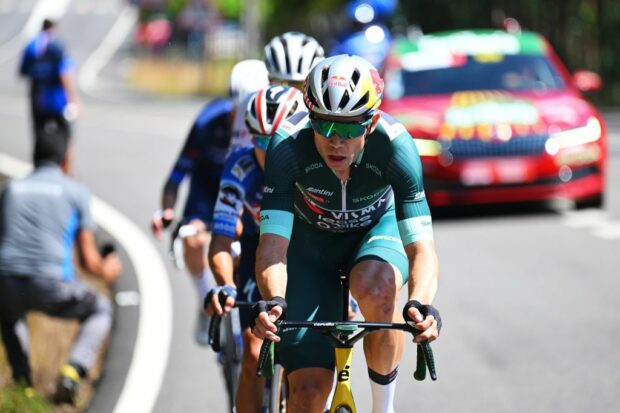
424	309
264	306
222	292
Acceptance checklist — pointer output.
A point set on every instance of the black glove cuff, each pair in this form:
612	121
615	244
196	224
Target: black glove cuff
424	309
281	302
265	306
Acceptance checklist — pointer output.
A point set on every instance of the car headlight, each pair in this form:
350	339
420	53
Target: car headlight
590	132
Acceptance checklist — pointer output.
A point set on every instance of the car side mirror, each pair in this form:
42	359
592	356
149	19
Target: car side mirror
587	81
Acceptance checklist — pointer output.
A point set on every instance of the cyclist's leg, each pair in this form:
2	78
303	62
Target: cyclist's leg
379	271
313	293
194	247
198	213
250	392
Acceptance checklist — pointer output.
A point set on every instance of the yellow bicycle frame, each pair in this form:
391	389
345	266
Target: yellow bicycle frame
343	397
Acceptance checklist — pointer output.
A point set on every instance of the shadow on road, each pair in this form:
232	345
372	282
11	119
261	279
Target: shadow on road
496	211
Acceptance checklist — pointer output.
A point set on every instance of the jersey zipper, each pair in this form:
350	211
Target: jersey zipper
343	186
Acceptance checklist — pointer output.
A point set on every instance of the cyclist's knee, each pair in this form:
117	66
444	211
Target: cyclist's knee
310	388
374	287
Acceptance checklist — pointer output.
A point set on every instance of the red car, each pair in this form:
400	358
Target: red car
497	118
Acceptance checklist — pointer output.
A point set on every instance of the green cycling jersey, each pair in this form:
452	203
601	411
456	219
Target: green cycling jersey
387	175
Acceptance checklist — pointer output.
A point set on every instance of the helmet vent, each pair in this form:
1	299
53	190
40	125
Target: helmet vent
362	102
271	111
271	59
293	109
328	104
345	99
310	96
286	56
355	77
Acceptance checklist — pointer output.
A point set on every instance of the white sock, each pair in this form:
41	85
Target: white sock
204	283
383	389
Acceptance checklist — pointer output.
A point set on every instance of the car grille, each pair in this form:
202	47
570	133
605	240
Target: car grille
474	148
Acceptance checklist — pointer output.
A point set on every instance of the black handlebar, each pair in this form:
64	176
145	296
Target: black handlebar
214	326
425	358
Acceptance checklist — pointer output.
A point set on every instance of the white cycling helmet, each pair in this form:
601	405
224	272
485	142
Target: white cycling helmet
247	77
344	86
269	107
290	57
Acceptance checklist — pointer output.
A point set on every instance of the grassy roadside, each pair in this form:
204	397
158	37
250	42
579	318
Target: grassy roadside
50	343
181	77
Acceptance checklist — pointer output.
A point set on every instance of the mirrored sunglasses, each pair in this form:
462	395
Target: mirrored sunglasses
344	130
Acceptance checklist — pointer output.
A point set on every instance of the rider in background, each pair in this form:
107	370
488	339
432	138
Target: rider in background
343	191
367	36
290	56
53	96
239	198
202	157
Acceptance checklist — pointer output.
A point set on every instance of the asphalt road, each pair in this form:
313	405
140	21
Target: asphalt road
528	295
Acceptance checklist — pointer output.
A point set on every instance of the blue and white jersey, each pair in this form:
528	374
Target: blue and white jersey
241	192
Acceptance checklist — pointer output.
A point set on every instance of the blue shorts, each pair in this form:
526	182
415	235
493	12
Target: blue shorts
200	201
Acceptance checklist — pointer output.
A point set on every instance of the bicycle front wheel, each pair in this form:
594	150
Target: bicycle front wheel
231	359
278	391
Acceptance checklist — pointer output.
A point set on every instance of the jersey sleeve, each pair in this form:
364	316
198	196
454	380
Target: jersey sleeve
231	195
281	169
188	156
82	200
404	173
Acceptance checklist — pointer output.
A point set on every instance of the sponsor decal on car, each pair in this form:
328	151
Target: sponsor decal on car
489	115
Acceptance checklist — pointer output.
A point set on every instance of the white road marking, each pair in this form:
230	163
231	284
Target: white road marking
53	9
127	298
87	78
598	222
587	218
152	348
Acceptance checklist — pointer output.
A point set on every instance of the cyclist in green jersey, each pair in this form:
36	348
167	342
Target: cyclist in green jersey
343	192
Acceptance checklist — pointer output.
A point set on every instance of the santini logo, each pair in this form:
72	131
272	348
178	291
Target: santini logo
318	191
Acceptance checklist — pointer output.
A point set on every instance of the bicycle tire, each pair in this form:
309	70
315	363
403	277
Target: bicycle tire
231	356
278	391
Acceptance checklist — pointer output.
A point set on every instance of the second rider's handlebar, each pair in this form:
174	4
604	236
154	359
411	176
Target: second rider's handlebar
214	326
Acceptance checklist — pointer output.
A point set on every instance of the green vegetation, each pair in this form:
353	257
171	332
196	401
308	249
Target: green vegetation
20	399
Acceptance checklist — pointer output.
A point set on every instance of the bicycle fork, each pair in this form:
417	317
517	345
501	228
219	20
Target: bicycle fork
343	397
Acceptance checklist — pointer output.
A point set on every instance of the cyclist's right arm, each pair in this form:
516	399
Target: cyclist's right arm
226	214
276	225
271	279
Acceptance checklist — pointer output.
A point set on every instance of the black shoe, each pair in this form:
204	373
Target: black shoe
68	384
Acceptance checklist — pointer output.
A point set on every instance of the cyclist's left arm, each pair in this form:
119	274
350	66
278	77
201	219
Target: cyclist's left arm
415	227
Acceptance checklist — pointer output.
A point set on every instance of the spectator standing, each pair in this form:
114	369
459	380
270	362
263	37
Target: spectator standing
41	217
54	102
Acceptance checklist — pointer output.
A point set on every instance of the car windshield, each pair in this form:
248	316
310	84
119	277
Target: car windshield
501	72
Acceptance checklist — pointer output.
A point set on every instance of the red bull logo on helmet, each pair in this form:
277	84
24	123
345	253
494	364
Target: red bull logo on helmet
337	81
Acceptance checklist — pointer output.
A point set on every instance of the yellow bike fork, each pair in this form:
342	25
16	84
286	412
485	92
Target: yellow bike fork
343	397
